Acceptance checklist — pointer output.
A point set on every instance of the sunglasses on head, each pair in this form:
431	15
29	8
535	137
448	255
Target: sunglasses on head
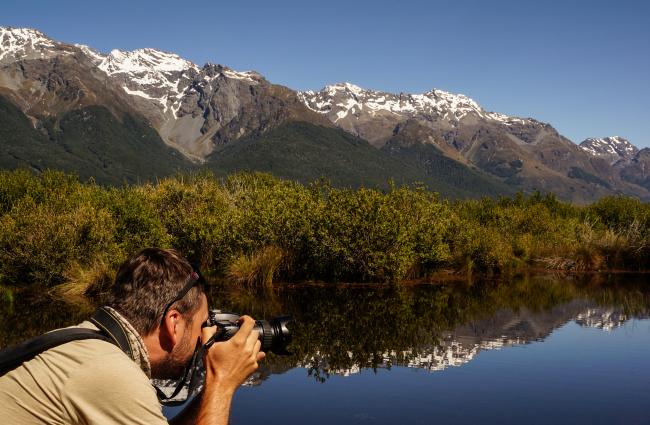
194	279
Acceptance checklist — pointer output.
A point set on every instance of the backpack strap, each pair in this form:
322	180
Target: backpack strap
109	330
109	325
12	357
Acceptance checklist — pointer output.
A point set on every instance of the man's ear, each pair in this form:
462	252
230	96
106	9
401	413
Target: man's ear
169	329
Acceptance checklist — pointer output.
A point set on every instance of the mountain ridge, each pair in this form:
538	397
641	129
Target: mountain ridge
523	152
198	110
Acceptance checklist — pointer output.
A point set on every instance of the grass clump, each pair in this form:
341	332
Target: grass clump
258	269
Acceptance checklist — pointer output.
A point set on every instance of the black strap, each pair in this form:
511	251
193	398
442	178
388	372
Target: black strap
190	379
110	331
12	357
108	324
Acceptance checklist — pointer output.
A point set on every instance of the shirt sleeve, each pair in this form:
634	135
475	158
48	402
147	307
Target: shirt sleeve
112	391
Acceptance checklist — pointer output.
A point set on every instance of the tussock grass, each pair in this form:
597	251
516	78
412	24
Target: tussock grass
258	269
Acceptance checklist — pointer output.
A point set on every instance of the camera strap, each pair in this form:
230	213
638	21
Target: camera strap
110	331
111	327
12	357
191	379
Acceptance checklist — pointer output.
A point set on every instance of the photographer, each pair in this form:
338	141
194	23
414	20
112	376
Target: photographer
154	324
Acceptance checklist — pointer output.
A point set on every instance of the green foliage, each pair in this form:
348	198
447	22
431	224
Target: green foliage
38	242
305	152
445	175
91	142
54	229
620	212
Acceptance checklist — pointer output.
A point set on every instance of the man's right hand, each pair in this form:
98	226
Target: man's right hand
229	363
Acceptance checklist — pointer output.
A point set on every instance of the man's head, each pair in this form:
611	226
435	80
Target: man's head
145	284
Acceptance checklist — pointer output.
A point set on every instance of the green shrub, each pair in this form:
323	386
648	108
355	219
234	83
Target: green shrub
54	229
258	269
38	242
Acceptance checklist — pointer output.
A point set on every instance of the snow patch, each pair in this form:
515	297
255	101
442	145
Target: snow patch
144	61
247	75
95	56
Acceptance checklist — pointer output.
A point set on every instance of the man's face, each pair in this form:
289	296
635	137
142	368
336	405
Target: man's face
182	352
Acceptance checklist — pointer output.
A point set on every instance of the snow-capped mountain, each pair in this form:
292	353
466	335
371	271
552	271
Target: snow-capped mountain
613	148
522	151
150	74
26	43
193	108
162	77
197	109
346	100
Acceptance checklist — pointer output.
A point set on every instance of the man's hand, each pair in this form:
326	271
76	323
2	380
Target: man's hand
229	363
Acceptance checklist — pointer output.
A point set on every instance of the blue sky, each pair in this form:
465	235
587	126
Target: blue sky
583	66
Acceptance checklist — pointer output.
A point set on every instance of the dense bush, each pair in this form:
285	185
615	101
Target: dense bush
54	229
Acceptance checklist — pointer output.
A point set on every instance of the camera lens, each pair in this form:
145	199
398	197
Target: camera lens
275	334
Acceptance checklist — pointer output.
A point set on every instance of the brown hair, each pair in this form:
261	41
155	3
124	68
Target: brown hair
146	282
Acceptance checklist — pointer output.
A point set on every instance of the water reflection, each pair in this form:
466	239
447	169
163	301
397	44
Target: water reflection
35	311
580	374
343	330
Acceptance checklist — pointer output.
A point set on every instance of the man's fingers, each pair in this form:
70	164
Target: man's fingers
261	355
256	347
253	341
245	328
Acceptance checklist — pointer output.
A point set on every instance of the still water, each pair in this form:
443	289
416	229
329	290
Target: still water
531	350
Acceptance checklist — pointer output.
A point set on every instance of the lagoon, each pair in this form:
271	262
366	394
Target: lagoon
531	349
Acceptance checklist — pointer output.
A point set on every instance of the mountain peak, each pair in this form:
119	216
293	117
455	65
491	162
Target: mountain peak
17	43
346	87
613	148
346	100
144	61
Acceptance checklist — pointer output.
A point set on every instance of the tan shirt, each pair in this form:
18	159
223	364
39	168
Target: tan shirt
81	382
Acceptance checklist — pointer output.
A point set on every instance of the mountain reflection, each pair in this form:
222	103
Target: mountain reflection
342	330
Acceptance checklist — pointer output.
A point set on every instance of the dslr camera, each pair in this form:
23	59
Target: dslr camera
274	334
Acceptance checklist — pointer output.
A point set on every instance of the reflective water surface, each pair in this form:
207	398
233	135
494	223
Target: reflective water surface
532	350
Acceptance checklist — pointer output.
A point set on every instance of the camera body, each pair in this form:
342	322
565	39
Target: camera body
274	334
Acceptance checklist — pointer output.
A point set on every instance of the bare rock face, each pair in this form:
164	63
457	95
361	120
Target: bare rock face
637	170
523	152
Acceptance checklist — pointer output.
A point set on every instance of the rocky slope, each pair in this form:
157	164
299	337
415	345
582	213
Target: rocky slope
628	162
613	149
